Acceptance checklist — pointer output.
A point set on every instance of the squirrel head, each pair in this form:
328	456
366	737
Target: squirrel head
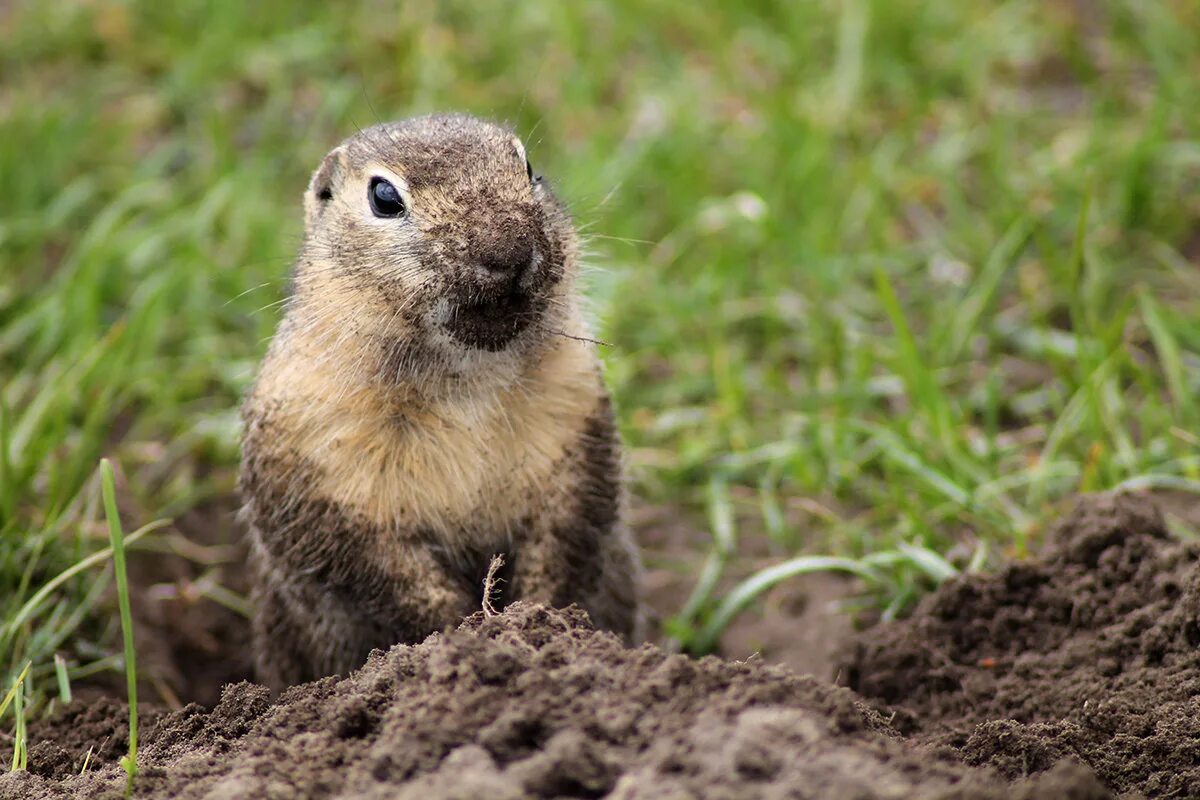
435	237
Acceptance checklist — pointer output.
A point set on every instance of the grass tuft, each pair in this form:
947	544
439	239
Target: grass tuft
63	678
16	698
20	735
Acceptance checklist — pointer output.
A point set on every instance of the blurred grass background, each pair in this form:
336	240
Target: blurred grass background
885	279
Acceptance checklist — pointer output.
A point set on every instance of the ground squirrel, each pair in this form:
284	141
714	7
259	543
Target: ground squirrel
430	398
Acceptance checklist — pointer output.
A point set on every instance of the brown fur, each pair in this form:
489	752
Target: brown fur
429	400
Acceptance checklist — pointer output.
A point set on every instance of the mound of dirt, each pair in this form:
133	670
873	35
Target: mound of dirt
1091	652
1073	676
534	703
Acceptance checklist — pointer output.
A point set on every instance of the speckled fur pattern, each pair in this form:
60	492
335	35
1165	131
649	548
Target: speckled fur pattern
430	399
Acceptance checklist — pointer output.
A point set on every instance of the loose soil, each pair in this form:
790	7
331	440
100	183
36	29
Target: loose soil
1073	676
1091	653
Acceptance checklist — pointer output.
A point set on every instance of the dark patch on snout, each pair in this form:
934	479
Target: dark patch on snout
508	257
491	319
503	279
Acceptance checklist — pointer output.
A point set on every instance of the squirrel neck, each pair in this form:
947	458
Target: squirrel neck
402	373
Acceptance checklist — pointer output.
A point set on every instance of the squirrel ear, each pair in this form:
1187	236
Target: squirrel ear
321	187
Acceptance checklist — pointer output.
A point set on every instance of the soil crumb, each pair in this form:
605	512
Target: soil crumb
533	703
1091	653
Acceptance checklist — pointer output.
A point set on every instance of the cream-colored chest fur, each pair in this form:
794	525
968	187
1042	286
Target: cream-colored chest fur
470	464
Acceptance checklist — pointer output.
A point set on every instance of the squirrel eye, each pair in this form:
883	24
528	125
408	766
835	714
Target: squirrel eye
529	171
385	199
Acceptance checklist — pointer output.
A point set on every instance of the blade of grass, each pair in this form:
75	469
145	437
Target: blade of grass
1167	347
20	743
12	692
64	680
724	531
226	597
106	664
921	383
8	488
1070	421
99	556
918	379
762	581
932	564
1139	483
128	762
967	315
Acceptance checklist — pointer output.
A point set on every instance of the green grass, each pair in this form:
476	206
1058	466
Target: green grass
16	697
117	537
886	278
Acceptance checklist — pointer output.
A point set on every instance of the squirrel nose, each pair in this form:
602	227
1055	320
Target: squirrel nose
512	257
